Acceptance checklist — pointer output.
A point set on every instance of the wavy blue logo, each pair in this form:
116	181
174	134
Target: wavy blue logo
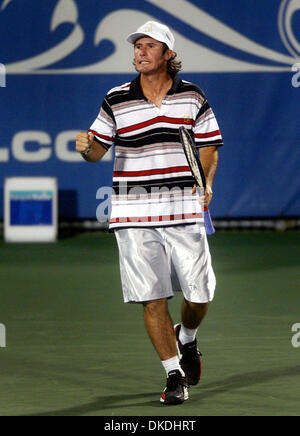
287	11
102	49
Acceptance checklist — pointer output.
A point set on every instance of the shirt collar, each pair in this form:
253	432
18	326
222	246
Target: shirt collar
136	90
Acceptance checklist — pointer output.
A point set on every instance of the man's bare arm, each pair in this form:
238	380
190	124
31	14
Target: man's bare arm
209	157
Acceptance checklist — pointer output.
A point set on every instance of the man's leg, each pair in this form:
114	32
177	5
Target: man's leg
160	329
192	314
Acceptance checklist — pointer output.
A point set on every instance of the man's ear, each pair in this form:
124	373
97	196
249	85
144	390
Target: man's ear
169	54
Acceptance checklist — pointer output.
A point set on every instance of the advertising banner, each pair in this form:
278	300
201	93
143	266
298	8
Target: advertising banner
59	58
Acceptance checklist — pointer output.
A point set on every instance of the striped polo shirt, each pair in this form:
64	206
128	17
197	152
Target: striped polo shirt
152	182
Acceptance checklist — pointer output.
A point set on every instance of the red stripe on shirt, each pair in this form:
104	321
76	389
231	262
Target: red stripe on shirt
207	135
186	121
159	218
151	172
106	138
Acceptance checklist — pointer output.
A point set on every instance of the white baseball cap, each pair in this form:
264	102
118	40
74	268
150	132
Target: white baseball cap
154	30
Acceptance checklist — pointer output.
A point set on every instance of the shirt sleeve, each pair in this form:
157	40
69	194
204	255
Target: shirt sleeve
206	131
104	127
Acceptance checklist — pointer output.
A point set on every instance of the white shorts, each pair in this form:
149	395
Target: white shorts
156	262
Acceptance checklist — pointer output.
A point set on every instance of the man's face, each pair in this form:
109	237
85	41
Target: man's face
149	57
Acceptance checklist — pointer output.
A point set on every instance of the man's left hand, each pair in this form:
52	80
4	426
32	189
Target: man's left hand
207	195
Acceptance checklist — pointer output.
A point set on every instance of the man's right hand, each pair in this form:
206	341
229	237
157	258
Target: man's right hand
84	141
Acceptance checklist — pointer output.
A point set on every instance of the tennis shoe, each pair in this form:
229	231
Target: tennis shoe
190	358
176	390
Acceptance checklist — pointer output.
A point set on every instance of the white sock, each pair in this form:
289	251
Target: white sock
187	335
172	364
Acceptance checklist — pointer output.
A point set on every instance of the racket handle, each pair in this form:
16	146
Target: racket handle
209	227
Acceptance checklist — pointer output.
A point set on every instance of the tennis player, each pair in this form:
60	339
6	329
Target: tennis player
156	213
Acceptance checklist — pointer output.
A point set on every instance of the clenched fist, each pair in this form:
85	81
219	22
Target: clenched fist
84	142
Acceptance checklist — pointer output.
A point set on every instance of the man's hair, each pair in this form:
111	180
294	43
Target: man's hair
173	65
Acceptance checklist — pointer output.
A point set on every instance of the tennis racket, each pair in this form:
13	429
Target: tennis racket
197	171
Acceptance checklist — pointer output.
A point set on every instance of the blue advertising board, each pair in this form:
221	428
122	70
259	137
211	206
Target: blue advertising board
30	208
60	57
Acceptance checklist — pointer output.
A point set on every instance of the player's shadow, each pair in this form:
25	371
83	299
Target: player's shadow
108	402
206	390
243	380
